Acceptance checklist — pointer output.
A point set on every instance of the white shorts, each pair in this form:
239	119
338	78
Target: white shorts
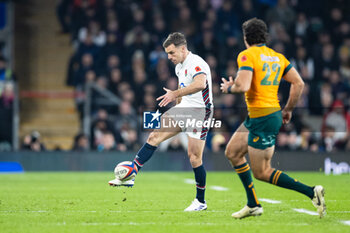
194	121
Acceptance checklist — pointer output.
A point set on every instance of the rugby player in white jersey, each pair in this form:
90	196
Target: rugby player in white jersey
195	92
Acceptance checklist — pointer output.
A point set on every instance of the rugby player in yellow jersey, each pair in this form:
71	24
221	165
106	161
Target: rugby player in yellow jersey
259	75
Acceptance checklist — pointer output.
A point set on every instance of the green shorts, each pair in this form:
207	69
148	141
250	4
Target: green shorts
263	130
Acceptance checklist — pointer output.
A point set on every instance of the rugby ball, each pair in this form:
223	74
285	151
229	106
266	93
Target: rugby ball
126	170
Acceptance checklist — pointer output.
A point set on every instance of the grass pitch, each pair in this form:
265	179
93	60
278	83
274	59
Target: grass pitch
83	202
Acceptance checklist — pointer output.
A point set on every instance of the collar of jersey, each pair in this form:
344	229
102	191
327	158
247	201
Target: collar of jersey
186	59
261	45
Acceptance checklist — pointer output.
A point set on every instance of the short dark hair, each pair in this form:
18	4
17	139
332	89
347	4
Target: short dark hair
255	31
176	38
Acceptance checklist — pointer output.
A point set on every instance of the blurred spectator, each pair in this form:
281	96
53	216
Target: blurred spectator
307	140
304	64
115	78
94	30
33	142
334	22
80	70
149	103
82	11
162	72
130	137
87	46
326	96
208	44
107	142
62	11
112	47
218	143
301	25
6	73
201	10
287	137
178	142
7	95
159	30
113	62
81	143
126	116
335	127
340	90
326	63
344	56
279	36
282	13
99	126
247	11
136	39
229	51
184	22
157	54
227	21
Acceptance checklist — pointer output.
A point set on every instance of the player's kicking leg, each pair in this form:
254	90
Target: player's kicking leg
147	150
261	166
195	154
235	151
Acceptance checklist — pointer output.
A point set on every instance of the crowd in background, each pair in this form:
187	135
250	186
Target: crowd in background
7	92
118	47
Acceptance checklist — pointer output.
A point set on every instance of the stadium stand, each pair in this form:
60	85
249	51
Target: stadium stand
118	46
7	82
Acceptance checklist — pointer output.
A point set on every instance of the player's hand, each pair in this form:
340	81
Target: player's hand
286	116
169	97
226	84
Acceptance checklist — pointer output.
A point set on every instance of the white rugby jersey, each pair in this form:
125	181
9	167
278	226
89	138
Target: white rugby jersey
187	72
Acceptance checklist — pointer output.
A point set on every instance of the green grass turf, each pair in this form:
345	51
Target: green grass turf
83	202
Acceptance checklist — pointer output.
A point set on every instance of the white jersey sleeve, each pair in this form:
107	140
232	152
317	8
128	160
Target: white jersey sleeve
197	68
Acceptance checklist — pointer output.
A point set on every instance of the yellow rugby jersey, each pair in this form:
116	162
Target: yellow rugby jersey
268	68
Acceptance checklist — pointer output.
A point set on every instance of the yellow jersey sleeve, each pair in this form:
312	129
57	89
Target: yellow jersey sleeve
287	66
245	61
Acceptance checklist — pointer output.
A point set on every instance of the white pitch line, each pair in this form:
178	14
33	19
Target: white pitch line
218	188
306	211
29	211
230	223
213	187
270	201
190	181
158	224
338	212
346	222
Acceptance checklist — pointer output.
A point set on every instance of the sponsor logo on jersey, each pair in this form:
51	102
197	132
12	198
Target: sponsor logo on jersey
263	57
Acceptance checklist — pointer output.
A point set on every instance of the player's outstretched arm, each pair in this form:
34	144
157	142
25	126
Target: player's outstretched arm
241	84
198	84
296	88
